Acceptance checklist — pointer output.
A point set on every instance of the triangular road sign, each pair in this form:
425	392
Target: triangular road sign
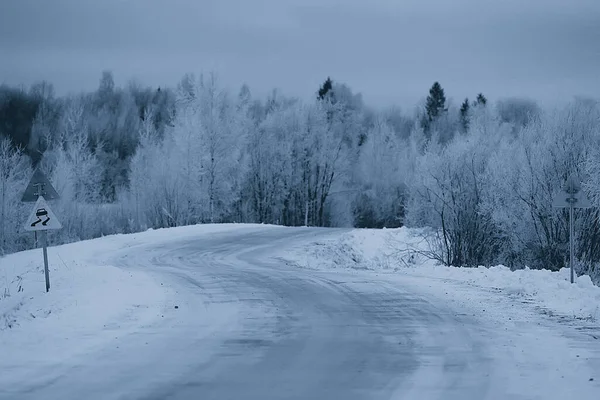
42	218
39	185
564	200
571	195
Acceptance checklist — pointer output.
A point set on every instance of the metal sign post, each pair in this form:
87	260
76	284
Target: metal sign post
46	269
571	197
41	218
571	256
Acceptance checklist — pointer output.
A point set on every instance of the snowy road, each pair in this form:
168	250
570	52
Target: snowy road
306	335
247	326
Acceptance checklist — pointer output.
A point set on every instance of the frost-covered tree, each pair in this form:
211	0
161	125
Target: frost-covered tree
194	178
528	171
132	158
220	149
382	170
517	111
269	186
14	175
76	173
322	154
447	193
45	124
143	197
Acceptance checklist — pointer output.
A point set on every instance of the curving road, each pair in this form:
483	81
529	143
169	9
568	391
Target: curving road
247	326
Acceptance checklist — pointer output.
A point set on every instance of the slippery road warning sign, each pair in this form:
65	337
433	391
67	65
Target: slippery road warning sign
42	218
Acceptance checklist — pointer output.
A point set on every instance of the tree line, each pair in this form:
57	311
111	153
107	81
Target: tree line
480	176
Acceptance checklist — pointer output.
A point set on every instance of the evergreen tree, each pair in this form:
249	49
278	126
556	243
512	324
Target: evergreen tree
481	100
464	115
326	89
436	102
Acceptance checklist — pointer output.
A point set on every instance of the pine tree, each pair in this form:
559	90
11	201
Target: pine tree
464	114
326	89
436	102
481	100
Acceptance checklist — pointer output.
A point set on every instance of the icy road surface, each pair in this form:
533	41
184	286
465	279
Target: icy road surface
247	326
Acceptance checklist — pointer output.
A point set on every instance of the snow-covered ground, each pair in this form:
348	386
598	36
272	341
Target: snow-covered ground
91	301
86	297
79	276
543	328
400	251
248	324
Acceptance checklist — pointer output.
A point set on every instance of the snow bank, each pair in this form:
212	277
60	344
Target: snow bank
89	303
82	280
533	357
397	250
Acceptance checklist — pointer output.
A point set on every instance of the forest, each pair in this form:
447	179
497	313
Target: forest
477	177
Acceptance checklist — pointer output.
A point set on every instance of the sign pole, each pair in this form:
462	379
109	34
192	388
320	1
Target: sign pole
571	196
41	218
46	270
571	241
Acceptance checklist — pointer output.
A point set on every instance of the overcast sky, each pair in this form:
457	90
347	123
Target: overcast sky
389	50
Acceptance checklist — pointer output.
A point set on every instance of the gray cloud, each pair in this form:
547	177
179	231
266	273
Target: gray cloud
390	50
